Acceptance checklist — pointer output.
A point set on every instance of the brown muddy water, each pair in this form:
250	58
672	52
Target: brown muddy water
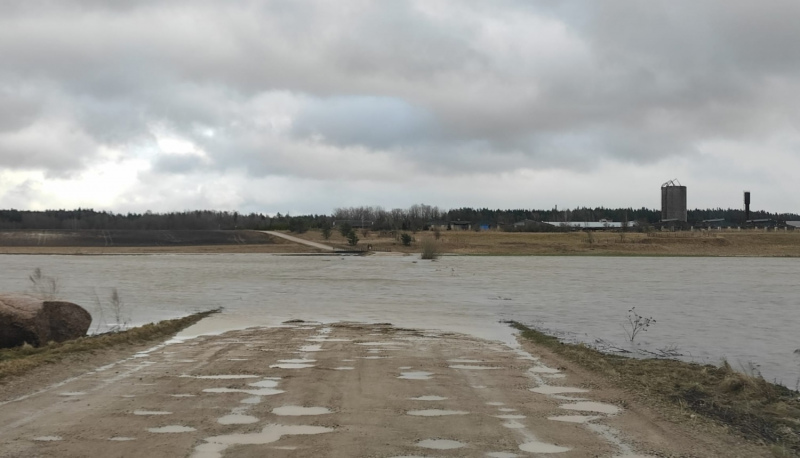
746	310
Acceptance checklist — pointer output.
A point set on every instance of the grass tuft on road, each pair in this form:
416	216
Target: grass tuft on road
756	408
19	360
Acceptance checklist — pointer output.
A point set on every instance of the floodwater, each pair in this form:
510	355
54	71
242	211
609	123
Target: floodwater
706	309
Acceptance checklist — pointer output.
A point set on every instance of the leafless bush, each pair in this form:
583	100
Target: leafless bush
636	324
44	286
115	309
430	250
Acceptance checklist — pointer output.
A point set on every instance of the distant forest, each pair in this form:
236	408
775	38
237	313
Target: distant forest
416	217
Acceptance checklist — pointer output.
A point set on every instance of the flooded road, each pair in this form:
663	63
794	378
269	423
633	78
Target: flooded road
742	309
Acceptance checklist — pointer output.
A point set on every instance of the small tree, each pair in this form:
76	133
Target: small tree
345	229
437	233
352	238
405	239
326	230
429	249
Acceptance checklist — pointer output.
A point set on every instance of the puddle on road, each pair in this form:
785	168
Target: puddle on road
381	344
375	357
72	393
216	445
221	377
542	447
415	375
543	370
549	389
183	395
310	348
121	439
151	412
495	403
172	429
265	384
575	418
326	339
507	410
238	359
348	360
435	413
464	361
501	455
474	368
510	417
344	368
237	419
513	425
297	361
428	398
592	407
440	444
47	438
555	375
259	392
251	400
296	411
290	366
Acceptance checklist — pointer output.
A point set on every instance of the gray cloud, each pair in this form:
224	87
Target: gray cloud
348	89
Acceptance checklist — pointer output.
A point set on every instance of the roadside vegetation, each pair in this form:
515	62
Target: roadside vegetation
757	409
17	361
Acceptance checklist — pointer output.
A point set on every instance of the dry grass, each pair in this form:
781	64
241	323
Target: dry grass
715	243
757	409
18	361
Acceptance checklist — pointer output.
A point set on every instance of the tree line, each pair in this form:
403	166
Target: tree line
414	218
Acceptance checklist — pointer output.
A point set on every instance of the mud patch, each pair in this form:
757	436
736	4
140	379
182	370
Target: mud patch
474	368
440	444
48	438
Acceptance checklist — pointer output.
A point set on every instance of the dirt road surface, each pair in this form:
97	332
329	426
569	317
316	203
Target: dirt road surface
317	245
339	390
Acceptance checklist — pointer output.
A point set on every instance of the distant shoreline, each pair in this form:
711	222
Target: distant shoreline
487	243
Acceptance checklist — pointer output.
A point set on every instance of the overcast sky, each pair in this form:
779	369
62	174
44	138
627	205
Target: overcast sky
304	106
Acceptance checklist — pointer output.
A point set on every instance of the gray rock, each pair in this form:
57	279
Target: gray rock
29	319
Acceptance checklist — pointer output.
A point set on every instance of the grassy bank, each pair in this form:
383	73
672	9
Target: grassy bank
757	409
714	243
19	360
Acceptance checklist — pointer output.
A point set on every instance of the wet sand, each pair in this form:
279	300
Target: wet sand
342	390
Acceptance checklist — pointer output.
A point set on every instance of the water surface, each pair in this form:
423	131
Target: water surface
742	309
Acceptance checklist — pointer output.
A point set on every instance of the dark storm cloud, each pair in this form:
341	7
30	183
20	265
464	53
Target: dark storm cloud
446	86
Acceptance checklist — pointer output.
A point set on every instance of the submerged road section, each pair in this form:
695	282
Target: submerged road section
340	390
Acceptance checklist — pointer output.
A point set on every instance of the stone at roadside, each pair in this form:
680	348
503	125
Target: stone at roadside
28	319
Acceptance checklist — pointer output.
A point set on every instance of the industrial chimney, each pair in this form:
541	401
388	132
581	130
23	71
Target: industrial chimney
747	205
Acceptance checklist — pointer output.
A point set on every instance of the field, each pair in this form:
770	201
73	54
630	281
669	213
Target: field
142	242
698	243
714	243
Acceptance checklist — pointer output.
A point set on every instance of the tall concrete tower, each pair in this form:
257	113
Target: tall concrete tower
673	201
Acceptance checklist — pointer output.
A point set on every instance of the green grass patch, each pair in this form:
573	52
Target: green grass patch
757	409
19	360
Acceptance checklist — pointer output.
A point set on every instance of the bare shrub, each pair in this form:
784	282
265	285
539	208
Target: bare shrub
44	286
636	324
430	249
115	309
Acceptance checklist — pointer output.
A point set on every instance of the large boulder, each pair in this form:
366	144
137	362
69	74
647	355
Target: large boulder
29	319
